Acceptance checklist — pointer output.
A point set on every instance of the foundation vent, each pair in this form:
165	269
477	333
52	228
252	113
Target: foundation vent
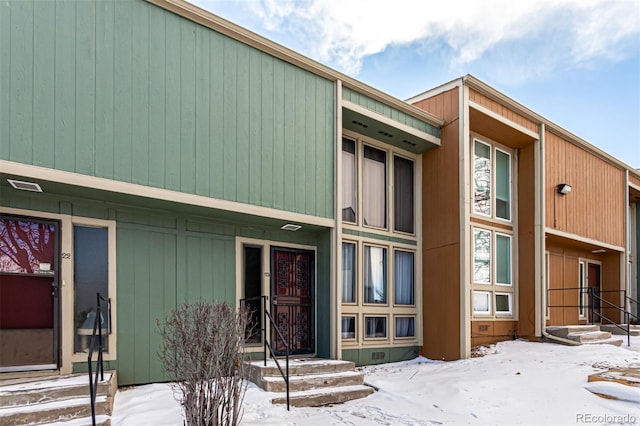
377	355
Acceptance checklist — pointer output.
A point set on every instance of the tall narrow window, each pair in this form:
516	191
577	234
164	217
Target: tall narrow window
348	273
481	256
503	259
482	178
403	194
582	296
91	276
253	290
503	185
349	181
403	278
374	187
375	274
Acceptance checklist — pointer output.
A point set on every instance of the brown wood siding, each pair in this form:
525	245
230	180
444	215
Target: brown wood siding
564	258
487	332
526	242
441	233
634	180
502	110
595	207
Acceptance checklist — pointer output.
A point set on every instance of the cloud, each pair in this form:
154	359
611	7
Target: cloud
547	34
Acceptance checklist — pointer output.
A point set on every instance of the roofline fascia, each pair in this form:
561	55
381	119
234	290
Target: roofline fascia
494	94
243	35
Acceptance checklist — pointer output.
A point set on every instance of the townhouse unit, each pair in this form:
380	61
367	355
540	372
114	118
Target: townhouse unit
158	154
536	227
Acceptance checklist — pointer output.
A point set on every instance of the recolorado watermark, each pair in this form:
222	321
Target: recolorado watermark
605	418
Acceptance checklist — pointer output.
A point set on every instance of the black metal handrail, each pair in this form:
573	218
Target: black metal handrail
265	343
597	311
631	300
93	380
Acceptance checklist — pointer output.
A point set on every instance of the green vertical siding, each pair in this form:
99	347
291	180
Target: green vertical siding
166	258
390	112
125	90
371	356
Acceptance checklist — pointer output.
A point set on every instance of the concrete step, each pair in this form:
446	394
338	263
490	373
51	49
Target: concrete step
53	411
57	388
588	336
634	330
51	400
298	366
564	330
306	382
615	341
326	396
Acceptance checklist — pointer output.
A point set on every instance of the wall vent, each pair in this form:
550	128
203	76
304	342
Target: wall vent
24	186
377	355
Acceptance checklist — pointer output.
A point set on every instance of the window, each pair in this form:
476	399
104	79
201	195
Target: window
492	273
482	178
348	327
91	276
374	187
481	302
375	274
403	278
503	303
482	256
405	327
491	181
348	273
375	327
503	185
349	182
582	285
503	259
403	194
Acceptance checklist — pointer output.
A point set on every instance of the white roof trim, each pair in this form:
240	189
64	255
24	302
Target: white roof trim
93	182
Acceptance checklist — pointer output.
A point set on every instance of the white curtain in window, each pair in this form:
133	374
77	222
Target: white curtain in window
348	186
375	290
348	272
374	196
403	277
404	327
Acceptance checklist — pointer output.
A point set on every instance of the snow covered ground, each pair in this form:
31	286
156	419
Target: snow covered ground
515	383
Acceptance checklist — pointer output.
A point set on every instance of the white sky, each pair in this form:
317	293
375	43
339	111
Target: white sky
576	62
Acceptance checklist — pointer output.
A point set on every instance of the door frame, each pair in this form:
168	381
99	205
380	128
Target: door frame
266	246
56	293
587	263
272	250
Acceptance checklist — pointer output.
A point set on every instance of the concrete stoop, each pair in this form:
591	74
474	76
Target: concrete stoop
584	334
634	330
313	382
59	399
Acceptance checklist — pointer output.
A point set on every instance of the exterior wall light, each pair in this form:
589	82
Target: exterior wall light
563	188
290	227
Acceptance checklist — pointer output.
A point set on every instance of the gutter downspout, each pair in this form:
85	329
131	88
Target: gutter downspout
540	257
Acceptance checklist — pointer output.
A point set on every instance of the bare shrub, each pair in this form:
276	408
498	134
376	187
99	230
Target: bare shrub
202	352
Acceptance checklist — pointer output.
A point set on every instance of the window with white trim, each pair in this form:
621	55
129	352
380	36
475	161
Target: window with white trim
349	266
375	327
493	293
405	327
348	327
375	274
369	168
491	181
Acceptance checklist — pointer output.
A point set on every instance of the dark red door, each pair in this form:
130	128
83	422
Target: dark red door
292	299
593	279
